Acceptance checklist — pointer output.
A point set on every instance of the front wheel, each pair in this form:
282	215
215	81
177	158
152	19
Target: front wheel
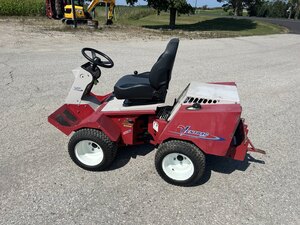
180	163
91	149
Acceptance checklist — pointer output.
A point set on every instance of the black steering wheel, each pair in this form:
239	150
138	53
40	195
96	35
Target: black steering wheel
96	60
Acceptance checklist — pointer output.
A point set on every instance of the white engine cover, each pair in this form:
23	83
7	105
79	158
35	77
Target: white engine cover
218	93
204	93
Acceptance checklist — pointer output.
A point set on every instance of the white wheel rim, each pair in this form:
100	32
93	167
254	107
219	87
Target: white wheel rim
178	166
89	152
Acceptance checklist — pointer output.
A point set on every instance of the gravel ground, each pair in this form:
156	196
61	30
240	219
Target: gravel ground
39	184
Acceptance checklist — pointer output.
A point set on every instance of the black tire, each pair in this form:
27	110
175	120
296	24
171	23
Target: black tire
108	147
183	149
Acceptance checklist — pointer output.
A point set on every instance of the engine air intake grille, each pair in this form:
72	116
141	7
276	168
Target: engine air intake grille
200	100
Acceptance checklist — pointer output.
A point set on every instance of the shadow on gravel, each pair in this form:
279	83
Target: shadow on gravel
217	24
226	166
126	153
213	163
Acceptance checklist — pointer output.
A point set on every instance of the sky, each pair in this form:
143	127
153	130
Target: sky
210	3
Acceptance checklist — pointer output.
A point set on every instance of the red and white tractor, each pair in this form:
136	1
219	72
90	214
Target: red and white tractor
205	119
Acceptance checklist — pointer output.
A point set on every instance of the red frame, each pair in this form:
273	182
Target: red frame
211	128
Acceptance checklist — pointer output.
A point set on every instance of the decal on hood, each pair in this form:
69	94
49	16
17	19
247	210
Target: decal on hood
188	132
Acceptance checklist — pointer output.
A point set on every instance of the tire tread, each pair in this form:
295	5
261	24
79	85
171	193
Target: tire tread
109	147
189	149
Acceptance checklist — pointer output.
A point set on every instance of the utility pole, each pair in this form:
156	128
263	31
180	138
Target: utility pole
74	14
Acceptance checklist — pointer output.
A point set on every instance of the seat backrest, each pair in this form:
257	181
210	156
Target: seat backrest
160	74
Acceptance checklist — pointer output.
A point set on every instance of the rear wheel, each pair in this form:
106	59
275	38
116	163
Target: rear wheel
92	150
180	163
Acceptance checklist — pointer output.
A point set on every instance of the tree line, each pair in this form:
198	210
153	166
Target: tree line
174	6
263	8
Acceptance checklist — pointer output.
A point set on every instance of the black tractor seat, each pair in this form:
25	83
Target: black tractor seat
149	87
134	87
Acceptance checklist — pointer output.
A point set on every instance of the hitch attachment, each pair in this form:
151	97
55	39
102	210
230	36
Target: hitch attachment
253	149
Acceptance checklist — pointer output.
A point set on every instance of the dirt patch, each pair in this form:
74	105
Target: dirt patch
17	31
21	30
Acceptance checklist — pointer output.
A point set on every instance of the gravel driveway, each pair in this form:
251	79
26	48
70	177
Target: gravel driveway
39	184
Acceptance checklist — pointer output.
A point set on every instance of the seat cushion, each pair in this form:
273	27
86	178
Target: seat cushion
134	87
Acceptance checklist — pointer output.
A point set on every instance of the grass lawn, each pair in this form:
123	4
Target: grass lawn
212	12
204	25
216	12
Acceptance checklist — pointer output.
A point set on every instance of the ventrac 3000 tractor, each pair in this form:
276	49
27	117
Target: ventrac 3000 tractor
205	119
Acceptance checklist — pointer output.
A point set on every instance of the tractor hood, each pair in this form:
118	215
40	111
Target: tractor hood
211	93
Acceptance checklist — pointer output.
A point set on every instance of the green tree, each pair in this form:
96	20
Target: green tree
295	8
278	9
274	8
263	10
297	14
173	6
235	5
253	6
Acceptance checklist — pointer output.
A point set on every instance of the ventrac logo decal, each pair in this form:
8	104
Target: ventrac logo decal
188	132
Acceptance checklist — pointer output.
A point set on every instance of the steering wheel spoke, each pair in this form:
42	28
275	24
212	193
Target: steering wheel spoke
94	54
106	62
96	58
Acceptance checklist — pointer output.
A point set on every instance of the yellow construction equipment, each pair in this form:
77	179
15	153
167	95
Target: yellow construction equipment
80	14
62	9
109	6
